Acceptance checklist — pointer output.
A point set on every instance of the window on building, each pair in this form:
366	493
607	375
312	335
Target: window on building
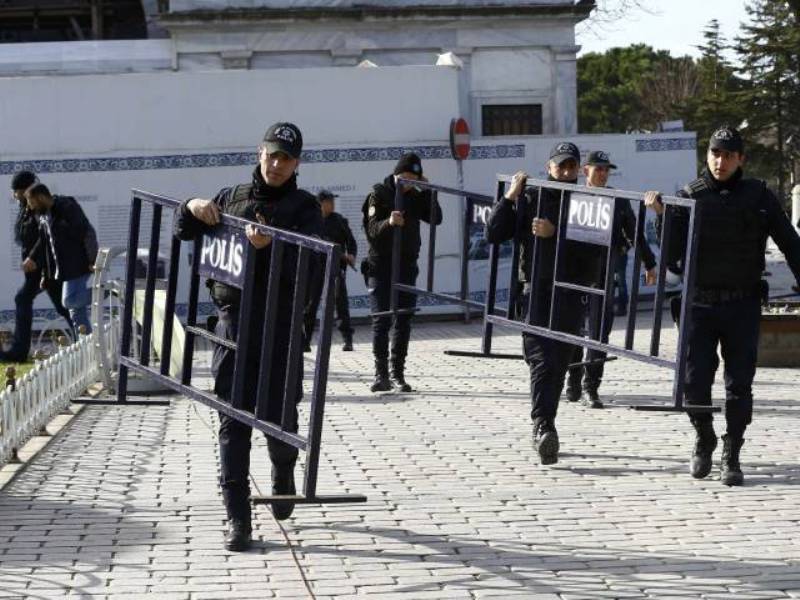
70	20
511	119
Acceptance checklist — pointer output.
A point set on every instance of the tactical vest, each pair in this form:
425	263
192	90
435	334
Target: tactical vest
276	214
733	233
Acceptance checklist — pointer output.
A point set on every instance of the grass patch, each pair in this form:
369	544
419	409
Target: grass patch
21	368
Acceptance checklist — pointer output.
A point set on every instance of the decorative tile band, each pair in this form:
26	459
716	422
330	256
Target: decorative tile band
236	159
665	145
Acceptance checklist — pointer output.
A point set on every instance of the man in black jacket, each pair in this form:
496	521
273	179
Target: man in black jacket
547	359
70	244
380	219
596	170
335	228
271	198
26	235
736	216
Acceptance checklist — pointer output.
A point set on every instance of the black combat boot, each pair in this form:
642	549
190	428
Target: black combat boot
590	399
381	383
238	537
398	374
545	440
704	445
283	485
730	470
348	342
236	498
574	384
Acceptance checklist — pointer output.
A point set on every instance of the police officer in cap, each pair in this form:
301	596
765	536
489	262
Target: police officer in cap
380	220
547	359
597	170
736	216
335	228
271	198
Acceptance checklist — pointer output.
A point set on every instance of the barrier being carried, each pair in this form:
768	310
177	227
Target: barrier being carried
237	268
600	234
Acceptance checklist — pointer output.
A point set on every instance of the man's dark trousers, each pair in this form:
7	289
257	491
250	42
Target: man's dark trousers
734	326
342	301
23	300
379	287
234	436
548	359
592	374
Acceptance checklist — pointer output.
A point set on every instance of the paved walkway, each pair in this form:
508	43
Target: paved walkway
124	503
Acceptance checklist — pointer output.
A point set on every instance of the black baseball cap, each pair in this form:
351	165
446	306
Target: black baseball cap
23	180
599	158
564	151
726	138
326	195
284	137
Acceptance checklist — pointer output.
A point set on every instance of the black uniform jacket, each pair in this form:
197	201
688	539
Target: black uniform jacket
582	262
336	229
737	217
377	209
286	207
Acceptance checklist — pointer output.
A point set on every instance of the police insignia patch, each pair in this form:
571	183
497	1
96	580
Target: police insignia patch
371	211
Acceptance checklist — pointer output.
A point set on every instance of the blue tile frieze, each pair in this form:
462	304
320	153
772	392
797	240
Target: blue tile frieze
666	145
237	159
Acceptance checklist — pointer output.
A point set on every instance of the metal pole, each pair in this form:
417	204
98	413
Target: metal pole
127	308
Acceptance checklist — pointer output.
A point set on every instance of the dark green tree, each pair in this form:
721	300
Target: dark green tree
769	52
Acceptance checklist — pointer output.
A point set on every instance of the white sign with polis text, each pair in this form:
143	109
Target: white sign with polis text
590	219
222	256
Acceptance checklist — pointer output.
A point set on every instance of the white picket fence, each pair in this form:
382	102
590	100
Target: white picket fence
43	392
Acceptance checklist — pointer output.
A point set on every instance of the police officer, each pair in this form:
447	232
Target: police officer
335	228
272	198
547	359
736	216
26	235
380	220
597	170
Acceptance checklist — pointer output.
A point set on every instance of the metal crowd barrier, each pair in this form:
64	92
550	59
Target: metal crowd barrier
603	295
564	230
239	272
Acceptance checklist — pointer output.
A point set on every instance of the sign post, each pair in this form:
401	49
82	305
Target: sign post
460	147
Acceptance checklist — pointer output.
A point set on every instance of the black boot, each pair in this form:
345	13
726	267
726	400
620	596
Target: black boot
348	342
283	485
704	445
591	399
545	440
238	537
731	471
381	383
398	374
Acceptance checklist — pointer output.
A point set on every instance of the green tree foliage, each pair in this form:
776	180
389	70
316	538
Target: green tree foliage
636	88
769	52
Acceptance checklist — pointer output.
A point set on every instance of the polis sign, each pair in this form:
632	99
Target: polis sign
591	219
222	256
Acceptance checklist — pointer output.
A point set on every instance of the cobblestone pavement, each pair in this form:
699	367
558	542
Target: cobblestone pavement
124	503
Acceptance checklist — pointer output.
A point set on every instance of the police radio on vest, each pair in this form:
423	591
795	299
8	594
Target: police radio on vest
590	211
223	254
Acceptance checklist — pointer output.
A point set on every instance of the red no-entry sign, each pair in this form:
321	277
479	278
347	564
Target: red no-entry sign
459	139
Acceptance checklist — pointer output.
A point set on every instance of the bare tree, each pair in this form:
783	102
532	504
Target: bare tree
608	12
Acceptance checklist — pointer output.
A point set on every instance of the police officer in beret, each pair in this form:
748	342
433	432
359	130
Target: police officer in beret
380	221
335	228
597	169
736	216
547	359
273	198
